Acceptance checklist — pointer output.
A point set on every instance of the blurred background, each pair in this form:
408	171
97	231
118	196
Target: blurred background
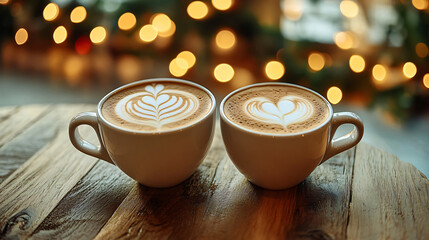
370	57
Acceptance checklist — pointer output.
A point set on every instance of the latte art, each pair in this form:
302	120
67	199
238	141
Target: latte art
156	106
288	110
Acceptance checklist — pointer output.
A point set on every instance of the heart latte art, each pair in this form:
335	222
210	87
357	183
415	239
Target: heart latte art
288	110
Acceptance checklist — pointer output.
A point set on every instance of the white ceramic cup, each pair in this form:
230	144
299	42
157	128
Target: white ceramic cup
155	159
279	161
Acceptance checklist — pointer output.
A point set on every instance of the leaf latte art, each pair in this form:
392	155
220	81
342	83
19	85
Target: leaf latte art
288	110
157	106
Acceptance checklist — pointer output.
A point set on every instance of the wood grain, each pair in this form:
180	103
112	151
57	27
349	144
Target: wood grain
390	198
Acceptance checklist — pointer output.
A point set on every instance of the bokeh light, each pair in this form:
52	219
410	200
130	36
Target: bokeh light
222	4
127	21
4	2
73	69
420	4
178	67
349	8
197	10
334	95
148	33
422	50
316	61
274	70
21	36
426	80
51	12
189	57
225	39
357	63
169	32
60	34
379	72
223	72
78	14
293	9
98	35
344	40
82	45
409	70
161	22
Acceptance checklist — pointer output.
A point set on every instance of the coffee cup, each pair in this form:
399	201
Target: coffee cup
276	134
157	131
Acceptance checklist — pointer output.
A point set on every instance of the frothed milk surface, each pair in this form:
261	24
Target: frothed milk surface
276	109
156	106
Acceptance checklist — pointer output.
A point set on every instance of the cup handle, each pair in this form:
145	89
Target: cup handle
347	141
87	118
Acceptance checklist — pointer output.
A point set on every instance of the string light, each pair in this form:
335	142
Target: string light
334	95
357	63
225	39
98	35
292	9
379	72
349	8
21	36
127	21
223	72
344	40
316	61
148	33
51	12
420	4
161	22
60	34
78	14
197	10
409	70
274	70
178	67
426	80
169	32
422	50
189	57
222	5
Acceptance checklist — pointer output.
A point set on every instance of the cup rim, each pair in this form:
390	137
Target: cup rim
149	80
227	120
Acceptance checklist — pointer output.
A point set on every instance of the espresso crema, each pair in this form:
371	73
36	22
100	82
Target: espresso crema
278	109
156	106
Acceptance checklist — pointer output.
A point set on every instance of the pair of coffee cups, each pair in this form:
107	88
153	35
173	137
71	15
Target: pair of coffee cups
165	157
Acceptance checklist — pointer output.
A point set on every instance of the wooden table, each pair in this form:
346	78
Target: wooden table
49	190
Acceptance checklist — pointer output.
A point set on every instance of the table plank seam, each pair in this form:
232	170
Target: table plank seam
10	113
350	193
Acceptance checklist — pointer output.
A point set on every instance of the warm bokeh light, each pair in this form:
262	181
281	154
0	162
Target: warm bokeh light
293	9
189	57
316	61
129	68
242	77
225	39
426	80
169	32
334	95
274	70
127	21
60	34
148	33
420	4
98	35
51	12
21	36
357	63
73	69
4	2
161	22
78	14
422	50
379	72
197	10
178	67
349	8
409	69
223	72
344	40
222	4
82	45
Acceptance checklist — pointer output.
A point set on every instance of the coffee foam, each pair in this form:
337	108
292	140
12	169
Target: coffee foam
276	109
156	106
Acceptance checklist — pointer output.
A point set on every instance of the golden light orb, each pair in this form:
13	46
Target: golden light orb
292	9
161	22
344	40
222	5
349	8
60	34
316	61
189	57
426	80
197	10
98	35
4	2
148	33
178	67
422	50
274	70
409	70
225	39
21	36
78	14
169	32
420	4
334	95
357	63
379	72
127	21
223	72
51	12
